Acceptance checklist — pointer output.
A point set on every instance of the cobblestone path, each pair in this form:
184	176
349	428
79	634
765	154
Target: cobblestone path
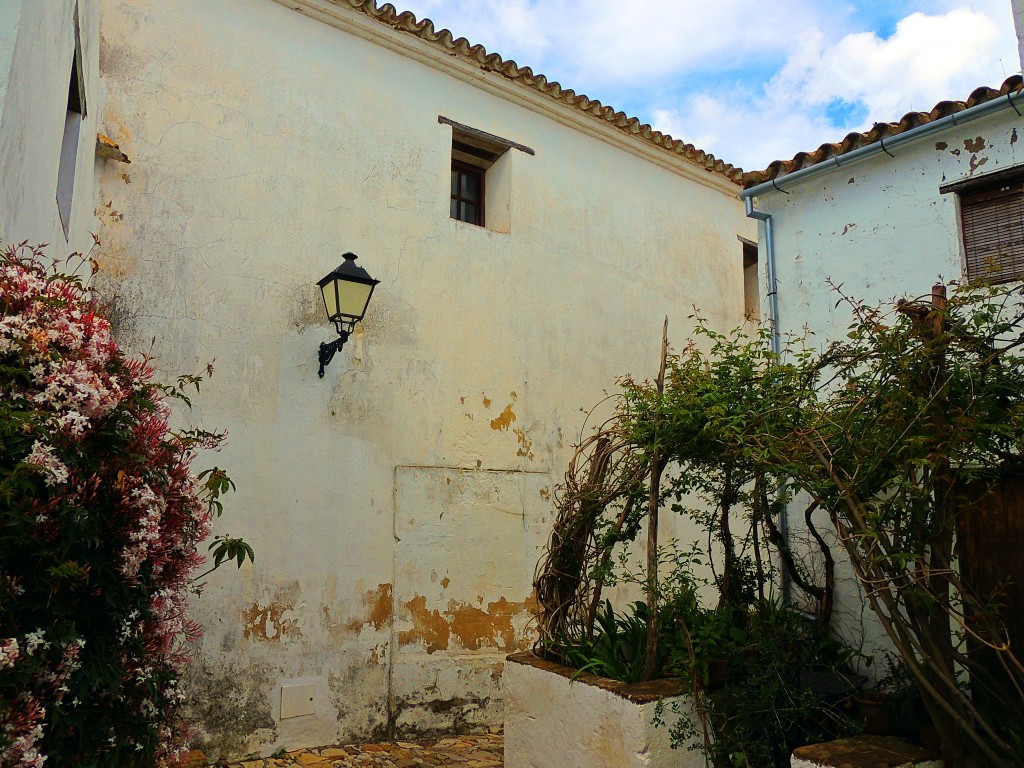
481	751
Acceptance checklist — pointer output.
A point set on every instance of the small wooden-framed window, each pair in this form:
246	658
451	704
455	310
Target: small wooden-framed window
992	226
467	200
478	156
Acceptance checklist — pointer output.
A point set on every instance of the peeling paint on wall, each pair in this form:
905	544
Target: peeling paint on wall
506	417
378	653
376	613
473	627
525	444
974	145
266	621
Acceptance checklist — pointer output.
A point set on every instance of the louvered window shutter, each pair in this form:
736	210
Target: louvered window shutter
993	230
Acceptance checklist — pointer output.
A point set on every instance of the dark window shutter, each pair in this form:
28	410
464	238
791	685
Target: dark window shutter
993	230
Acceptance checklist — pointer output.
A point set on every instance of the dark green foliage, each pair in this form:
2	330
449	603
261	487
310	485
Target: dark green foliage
617	649
768	682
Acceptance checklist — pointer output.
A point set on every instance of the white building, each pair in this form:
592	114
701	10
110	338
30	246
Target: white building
935	197
397	506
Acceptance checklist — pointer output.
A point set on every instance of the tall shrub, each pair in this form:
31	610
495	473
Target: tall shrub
919	406
100	519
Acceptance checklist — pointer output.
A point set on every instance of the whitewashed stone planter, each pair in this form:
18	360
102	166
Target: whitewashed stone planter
553	721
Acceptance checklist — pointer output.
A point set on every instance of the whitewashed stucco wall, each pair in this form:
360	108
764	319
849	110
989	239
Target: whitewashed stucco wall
879	228
398	505
37	42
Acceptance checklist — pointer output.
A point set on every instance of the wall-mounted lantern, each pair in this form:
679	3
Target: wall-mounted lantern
347	292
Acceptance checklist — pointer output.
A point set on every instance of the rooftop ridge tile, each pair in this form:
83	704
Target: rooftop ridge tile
406	21
879	131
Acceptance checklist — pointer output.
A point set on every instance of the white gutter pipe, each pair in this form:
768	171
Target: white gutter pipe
773	287
1010	100
776	337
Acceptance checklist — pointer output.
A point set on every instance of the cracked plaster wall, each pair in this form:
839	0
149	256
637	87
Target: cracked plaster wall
881	229
397	506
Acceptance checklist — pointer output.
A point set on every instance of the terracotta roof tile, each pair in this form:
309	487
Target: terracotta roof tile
880	131
407	22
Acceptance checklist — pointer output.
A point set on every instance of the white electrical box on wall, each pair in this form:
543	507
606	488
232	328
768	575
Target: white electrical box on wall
298	700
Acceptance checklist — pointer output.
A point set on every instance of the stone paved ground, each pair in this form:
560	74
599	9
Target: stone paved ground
481	751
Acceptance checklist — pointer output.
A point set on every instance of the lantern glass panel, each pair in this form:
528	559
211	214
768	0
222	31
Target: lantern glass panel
330	298
352	298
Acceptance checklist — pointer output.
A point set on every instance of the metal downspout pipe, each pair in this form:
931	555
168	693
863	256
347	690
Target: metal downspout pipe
776	340
773	287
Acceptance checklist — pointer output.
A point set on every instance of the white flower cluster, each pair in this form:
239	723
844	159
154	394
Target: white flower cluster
21	731
43	456
35	640
152	508
24	747
9	652
64	349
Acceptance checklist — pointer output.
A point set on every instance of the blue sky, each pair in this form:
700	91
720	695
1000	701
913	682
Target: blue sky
748	80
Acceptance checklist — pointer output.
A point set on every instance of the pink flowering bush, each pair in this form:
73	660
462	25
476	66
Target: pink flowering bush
100	520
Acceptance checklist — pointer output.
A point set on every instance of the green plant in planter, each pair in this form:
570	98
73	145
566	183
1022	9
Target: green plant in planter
785	683
617	649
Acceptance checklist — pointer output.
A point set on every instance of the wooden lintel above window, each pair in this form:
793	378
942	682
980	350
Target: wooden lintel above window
108	148
993	179
483	140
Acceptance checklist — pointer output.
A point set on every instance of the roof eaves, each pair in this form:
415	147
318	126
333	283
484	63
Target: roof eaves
406	21
880	131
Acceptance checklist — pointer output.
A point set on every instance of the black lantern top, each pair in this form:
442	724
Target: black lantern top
347	292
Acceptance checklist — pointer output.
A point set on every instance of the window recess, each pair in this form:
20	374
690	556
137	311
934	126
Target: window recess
751	292
72	132
480	176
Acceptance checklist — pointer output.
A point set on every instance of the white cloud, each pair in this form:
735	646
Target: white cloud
925	56
766	72
926	59
606	43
